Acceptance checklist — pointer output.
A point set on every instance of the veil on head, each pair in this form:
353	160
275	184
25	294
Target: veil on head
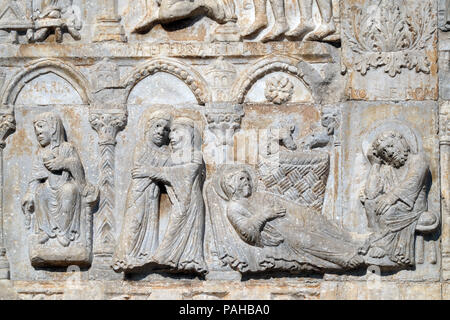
58	133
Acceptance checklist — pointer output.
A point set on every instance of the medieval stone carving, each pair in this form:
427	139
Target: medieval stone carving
299	176
107	124
14	18
108	26
166	11
305	30
330	123
7	127
279	90
59	201
224	122
56	16
444	15
395	197
255	231
139	238
182	172
390	34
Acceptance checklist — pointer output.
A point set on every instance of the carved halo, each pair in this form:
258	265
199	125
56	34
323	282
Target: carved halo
411	137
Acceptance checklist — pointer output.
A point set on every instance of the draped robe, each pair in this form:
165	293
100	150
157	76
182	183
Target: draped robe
57	194
182	245
398	224
302	236
139	238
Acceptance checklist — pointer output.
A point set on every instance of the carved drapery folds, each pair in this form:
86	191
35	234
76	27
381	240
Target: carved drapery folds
395	198
7	127
107	123
445	193
59	202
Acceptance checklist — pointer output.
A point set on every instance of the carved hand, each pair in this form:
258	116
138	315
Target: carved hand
384	203
28	204
373	159
139	173
277	213
55	164
362	196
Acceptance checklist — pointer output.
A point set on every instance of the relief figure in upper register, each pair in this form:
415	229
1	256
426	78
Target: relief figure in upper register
56	15
256	231
395	197
166	11
58	194
181	248
307	29
139	238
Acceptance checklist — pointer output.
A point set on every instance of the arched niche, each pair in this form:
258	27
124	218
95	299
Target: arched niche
306	78
48	89
161	88
47	79
169	73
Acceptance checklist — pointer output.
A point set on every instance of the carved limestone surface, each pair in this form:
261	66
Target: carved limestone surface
390	39
181	170
256	231
59	202
224	149
395	197
167	11
279	90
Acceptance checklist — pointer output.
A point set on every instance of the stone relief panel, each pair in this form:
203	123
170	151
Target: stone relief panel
217	140
38	19
393	176
394	41
230	20
59	203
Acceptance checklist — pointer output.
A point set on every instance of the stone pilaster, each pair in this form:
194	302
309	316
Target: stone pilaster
107	123
108	26
7	126
445	187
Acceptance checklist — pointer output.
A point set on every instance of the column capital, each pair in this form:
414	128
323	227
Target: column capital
108	123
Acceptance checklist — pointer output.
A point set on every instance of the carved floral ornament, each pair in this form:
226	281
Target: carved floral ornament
392	35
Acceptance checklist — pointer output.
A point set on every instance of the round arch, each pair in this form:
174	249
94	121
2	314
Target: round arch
185	73
297	68
40	67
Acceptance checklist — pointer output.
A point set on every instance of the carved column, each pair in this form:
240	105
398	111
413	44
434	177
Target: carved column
107	123
445	187
224	119
108	26
7	126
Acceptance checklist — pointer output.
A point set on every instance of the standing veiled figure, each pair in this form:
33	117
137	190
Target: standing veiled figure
182	246
57	192
139	238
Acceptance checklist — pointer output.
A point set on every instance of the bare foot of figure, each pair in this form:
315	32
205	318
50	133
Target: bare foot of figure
255	28
376	252
356	261
278	30
322	32
216	12
146	24
43	238
301	30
